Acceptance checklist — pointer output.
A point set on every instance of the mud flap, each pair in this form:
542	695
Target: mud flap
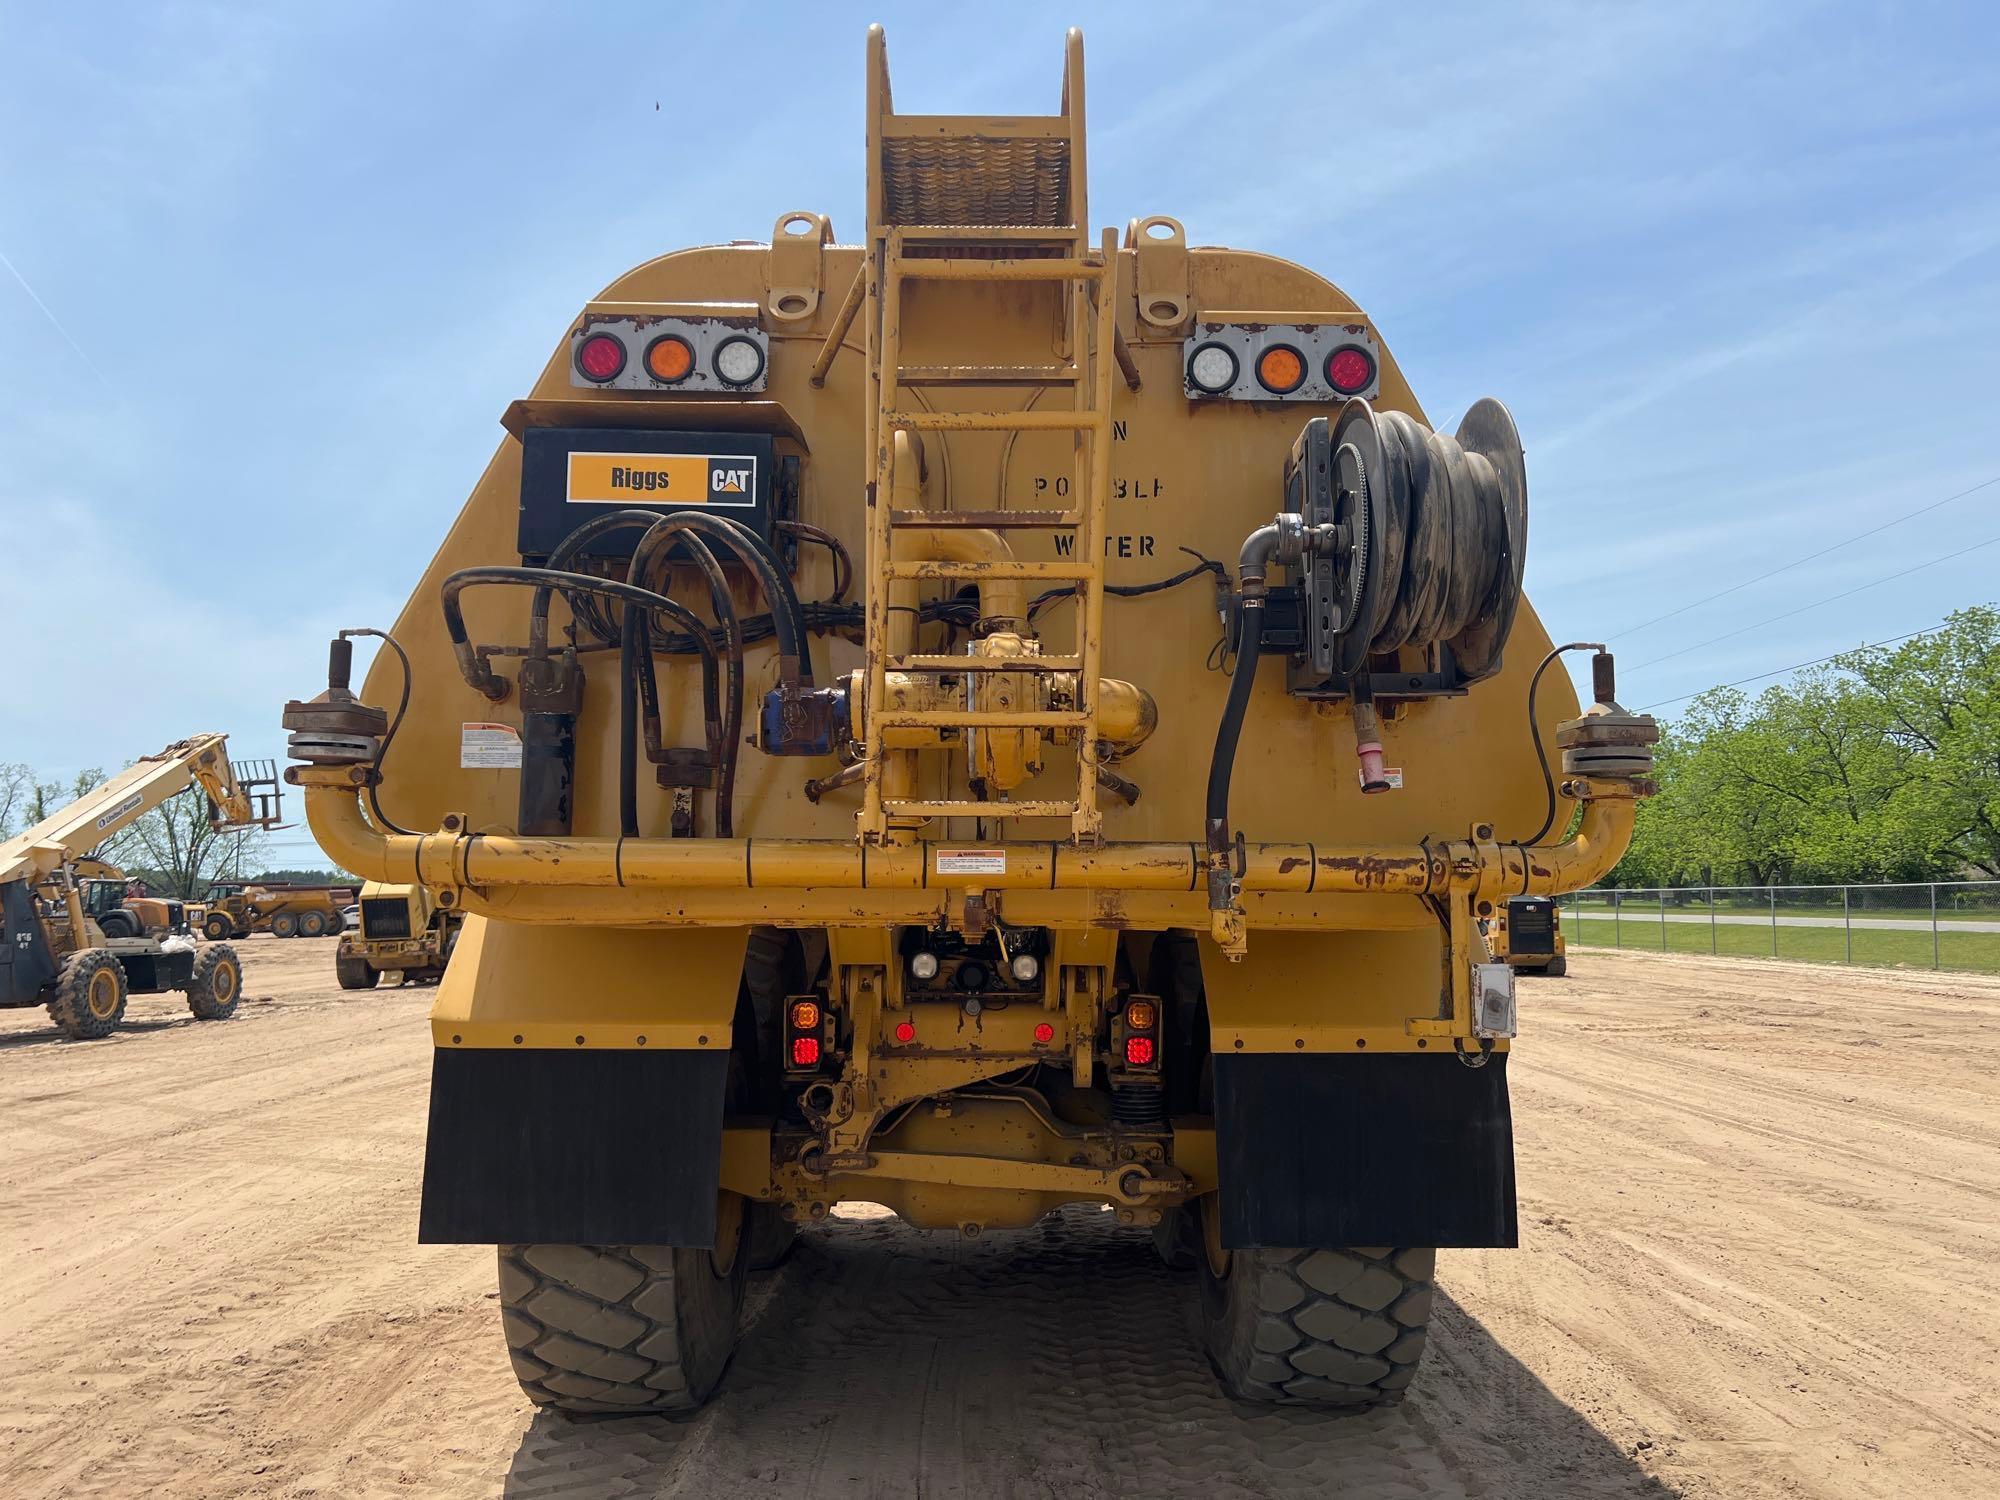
578	1085
574	1148
1320	1150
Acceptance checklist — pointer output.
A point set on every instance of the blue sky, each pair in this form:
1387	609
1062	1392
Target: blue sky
1736	269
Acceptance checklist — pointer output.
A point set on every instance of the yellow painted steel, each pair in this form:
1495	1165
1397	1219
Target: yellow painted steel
583	987
999	410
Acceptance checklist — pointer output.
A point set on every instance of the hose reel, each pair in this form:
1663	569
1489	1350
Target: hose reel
1419	540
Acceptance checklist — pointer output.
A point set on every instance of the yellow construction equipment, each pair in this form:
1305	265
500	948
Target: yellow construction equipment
56	952
403	932
234	909
997	517
1526	935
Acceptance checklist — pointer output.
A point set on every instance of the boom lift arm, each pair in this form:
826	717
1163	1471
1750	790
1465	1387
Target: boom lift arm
236	799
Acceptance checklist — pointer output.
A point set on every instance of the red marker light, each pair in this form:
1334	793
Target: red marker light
1139	1051
600	357
1044	1032
906	1031
805	1051
1350	370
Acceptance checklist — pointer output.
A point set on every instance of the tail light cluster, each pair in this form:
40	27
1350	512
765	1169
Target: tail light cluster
669	354
806	1034
1282	362
1135	1035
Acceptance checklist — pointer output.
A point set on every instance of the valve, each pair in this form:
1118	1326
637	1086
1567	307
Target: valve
336	728
1609	745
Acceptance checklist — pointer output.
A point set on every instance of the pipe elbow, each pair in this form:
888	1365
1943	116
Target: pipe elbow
335	815
1588	855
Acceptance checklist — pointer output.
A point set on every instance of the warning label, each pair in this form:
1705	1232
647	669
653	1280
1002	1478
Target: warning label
972	861
489	747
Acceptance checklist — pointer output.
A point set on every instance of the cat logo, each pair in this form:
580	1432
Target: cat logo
730	481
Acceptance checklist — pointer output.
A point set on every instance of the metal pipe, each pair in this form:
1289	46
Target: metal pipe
842	321
455	858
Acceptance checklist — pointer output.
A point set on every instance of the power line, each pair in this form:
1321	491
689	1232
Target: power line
1810	557
1830	599
1818	661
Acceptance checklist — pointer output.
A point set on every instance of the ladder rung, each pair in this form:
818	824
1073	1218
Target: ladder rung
985	664
904	808
996	421
989	520
931	569
1035	375
999	268
972	718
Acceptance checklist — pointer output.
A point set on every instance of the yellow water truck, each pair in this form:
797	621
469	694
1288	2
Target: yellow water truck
985	719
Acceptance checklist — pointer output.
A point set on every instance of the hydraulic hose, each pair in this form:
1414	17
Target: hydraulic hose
1222	762
787	615
723	747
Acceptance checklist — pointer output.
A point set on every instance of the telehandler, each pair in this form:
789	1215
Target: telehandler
1141	694
53	949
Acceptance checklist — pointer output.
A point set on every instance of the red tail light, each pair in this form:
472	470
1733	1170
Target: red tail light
600	357
1139	1051
805	1051
1350	370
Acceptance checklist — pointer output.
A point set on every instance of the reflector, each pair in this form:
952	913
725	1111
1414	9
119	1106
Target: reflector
1044	1032
906	1031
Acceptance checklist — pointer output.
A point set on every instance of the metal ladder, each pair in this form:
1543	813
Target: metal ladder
986	199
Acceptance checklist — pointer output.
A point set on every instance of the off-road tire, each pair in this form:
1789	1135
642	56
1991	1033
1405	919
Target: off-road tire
313	924
82	981
120	924
355	972
1336	1328
1557	967
619	1328
284	925
216	928
215	988
768	1236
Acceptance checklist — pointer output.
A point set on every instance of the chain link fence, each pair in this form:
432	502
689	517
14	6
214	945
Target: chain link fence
1947	924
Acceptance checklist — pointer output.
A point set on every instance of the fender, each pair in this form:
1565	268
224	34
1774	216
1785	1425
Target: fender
578	1085
1333	1126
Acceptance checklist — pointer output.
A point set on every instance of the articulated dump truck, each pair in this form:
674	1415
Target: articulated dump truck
985	720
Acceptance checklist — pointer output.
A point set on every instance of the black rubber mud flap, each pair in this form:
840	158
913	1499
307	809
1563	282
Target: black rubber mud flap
611	1147
1321	1151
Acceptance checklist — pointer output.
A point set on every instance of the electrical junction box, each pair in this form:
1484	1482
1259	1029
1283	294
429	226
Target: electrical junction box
570	475
1492	1000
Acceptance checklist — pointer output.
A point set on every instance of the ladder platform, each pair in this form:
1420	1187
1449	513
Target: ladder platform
921	663
989	520
997	268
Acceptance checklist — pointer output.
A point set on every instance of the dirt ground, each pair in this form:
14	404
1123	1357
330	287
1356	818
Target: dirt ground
1759	1240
